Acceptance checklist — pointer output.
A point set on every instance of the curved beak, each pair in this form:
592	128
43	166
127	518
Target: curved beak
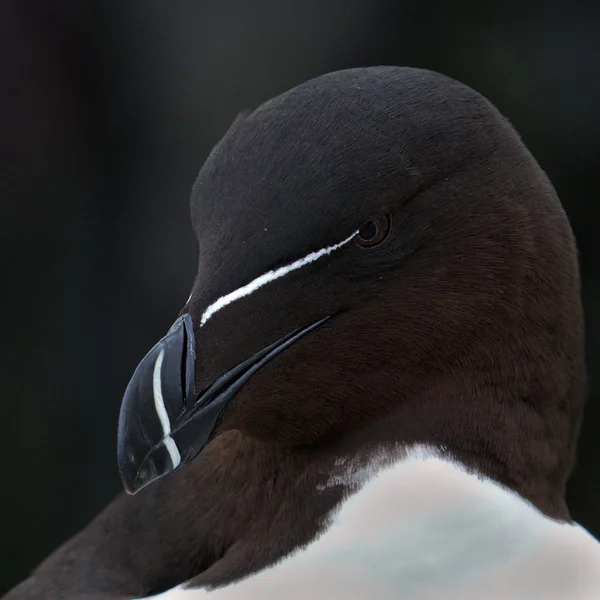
163	422
155	397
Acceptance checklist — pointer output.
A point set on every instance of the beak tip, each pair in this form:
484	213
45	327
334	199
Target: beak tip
136	474
129	491
132	488
128	477
132	482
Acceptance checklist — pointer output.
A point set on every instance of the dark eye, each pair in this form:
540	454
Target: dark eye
374	232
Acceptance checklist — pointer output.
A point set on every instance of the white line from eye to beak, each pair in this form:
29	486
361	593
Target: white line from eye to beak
267	277
161	411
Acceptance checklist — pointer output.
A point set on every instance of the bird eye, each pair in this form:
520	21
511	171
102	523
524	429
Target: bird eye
374	232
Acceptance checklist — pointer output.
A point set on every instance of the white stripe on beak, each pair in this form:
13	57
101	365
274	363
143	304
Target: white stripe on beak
161	411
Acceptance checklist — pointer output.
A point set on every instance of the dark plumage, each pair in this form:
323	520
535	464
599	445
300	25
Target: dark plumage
461	330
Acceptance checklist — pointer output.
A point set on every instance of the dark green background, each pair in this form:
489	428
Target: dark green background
108	111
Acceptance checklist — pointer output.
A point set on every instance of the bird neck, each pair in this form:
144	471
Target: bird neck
424	528
249	517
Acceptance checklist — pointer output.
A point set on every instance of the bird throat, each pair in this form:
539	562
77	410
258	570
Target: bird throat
423	526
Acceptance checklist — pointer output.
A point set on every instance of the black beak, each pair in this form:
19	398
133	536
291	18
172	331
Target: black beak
163	422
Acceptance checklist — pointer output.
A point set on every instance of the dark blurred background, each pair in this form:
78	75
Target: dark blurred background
108	111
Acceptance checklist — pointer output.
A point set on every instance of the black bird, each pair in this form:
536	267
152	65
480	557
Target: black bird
376	385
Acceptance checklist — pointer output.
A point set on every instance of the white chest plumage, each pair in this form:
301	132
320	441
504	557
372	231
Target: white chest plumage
424	529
